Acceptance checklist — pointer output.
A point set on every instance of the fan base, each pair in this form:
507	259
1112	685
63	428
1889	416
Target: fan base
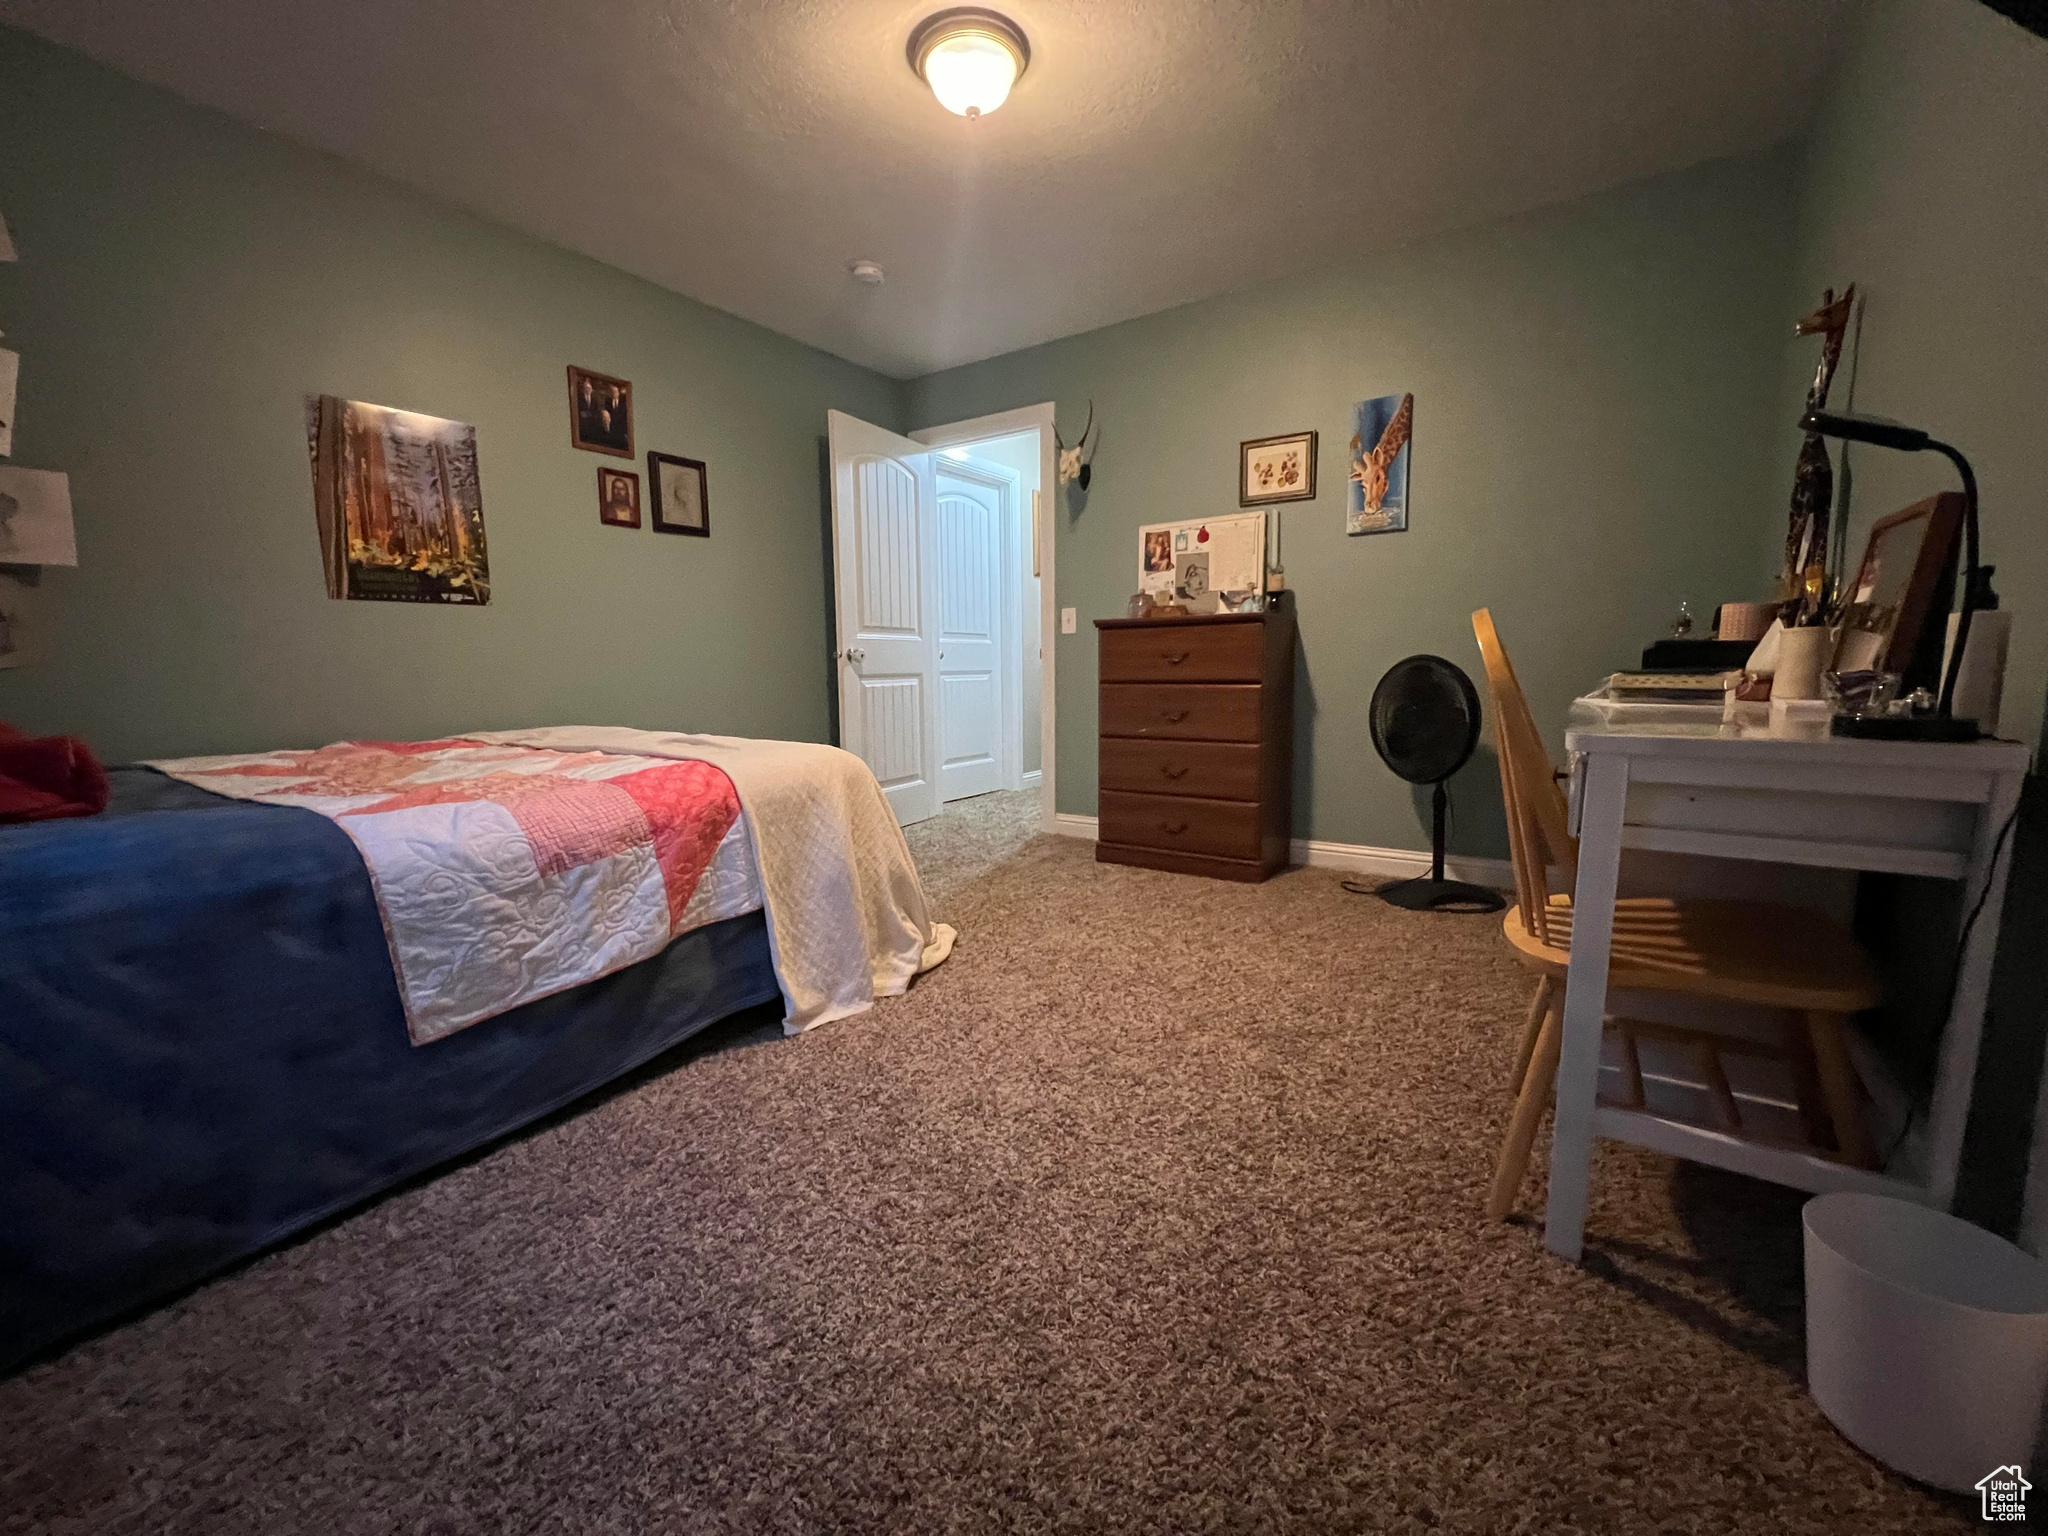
1424	894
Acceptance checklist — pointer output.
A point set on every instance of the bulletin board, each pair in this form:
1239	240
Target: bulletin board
1210	564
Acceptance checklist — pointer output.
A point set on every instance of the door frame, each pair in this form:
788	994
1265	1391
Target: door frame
961	434
1008	486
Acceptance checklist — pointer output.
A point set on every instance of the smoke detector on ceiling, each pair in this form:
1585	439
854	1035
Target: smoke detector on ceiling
869	272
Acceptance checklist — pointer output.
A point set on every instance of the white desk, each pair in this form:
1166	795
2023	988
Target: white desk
1682	781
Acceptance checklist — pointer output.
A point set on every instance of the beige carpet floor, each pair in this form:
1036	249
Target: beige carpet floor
1155	1209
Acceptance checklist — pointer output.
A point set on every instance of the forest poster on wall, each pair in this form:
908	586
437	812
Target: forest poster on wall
399	504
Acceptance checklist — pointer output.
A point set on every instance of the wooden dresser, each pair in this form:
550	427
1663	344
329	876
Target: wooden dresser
1197	745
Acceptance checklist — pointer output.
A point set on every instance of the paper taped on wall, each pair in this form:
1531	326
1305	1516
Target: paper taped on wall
35	518
10	375
12	592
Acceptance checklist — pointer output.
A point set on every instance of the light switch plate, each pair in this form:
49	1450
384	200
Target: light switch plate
1066	621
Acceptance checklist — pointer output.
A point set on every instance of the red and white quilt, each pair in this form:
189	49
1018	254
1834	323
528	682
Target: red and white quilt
506	873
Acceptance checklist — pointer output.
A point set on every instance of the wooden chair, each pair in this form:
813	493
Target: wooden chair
1786	959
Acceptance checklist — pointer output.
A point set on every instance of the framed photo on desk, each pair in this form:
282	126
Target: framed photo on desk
1903	586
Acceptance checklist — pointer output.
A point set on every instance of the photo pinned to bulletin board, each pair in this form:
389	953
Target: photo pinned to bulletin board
1378	499
1211	565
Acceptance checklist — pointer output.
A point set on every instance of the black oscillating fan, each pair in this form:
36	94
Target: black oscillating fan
1425	723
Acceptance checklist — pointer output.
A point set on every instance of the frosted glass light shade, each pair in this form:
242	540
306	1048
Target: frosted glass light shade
970	58
971	74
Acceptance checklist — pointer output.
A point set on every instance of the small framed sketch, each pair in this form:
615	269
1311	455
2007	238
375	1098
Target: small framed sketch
1276	469
618	498
681	503
600	413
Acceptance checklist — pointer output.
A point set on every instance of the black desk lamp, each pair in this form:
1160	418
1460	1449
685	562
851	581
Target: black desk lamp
1891	434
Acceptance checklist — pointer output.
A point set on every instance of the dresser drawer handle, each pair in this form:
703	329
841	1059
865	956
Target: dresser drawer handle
1172	773
1174	717
1175	827
1174	658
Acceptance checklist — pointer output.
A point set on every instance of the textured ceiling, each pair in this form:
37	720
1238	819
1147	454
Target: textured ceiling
1154	153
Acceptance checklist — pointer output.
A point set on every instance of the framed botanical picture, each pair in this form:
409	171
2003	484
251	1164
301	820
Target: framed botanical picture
681	503
600	413
1277	469
618	498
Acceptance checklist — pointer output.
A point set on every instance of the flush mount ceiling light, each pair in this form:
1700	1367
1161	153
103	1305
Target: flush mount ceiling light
969	57
869	272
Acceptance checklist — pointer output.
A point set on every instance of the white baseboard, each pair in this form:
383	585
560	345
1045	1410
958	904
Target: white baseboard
1398	862
1034	778
1320	853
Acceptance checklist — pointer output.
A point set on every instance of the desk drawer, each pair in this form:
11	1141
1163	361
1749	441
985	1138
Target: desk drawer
1181	711
1184	653
1214	770
1226	829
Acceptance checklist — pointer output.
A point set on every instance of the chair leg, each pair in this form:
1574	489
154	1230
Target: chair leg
1539	1005
1806	1092
1828	1034
1726	1115
1631	1065
1529	1108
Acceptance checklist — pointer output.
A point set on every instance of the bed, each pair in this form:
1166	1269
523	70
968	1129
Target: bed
204	1047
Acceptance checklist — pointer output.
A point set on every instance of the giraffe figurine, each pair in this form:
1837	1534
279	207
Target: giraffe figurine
1369	469
1803	581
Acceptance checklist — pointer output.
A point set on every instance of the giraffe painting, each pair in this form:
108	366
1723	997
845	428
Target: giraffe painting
1378	501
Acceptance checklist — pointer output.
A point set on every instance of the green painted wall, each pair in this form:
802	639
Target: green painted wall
1594	441
1926	184
185	281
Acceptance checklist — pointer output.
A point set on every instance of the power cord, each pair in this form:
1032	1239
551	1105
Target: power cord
1450	828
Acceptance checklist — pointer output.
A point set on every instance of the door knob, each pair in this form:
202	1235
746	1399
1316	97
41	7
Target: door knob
855	654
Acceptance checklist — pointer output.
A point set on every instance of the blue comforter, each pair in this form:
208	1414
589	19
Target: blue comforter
202	1049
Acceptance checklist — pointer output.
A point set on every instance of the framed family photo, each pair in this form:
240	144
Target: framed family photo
618	498
600	413
1274	469
677	490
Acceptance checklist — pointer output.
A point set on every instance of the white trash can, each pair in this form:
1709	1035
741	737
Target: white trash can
1926	1337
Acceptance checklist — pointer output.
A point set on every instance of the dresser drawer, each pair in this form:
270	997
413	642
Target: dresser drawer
1214	770
1181	711
1227	829
1184	653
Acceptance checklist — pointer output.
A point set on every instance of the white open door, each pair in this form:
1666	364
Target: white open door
884	532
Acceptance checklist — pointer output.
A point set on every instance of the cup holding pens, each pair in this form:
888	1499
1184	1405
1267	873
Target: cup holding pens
1802	655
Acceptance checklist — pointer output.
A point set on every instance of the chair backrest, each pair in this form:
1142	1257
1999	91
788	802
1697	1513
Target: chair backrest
1539	822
